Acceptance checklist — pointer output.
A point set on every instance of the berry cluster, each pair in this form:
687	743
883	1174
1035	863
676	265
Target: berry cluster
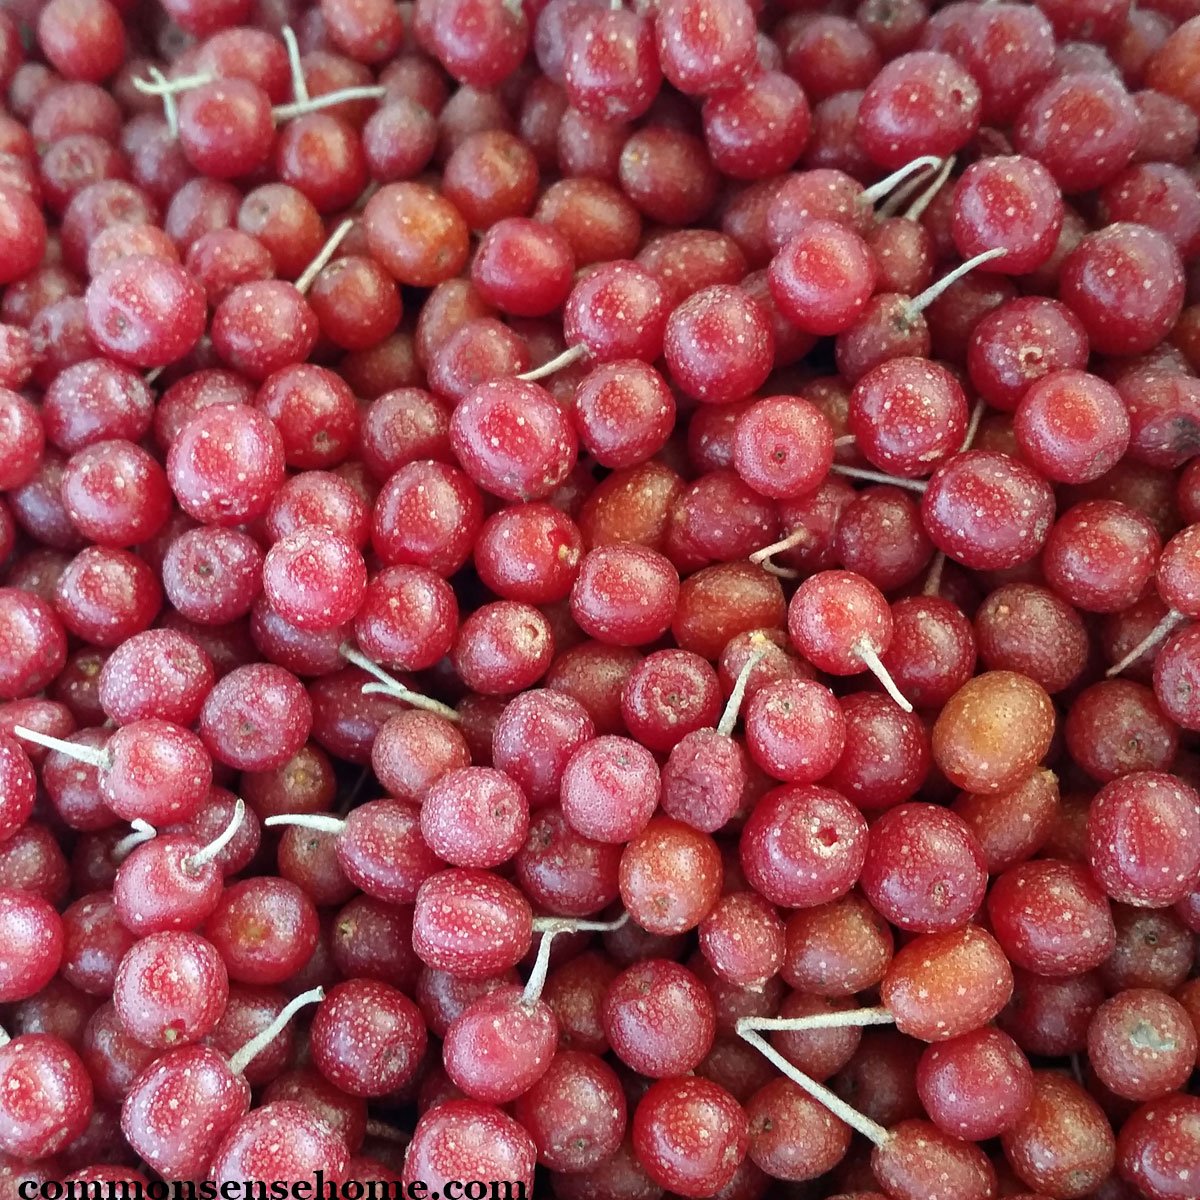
601	595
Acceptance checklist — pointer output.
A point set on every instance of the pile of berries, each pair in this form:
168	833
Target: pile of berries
601	595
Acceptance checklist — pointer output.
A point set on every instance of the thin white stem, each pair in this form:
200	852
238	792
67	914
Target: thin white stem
4	1038
319	821
170	108
877	191
550	928
797	537
870	656
1151	639
399	692
240	1059
733	706
367	193
152	376
773	568
194	862
900	197
973	425
159	85
871	1130
142	831
847	439
571	925
327	251
84	754
933	581
360	660
916	210
285	112
851	1018
541	968
390	686
931	293
891	206
913	485
571	354
299	83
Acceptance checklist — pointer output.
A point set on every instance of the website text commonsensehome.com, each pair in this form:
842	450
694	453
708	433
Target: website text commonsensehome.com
318	1188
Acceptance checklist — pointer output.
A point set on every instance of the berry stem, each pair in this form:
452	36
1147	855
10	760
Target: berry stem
934	290
914	485
285	112
320	821
550	928
973	426
871	1130
399	692
240	1059
170	108
870	656
797	537
541	967
571	354
903	194
775	569
847	439
764	557
933	581
917	208
570	925
1151	639
733	705
204	856
299	83
367	193
84	754
877	191
159	85
4	1038
892	205
327	251
851	1018
390	686
142	831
